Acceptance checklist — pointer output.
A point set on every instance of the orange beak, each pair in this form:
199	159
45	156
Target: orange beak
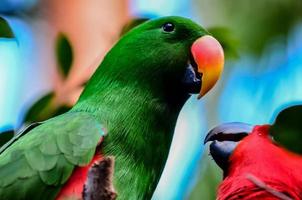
208	55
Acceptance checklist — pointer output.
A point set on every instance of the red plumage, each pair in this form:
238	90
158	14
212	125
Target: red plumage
73	189
258	159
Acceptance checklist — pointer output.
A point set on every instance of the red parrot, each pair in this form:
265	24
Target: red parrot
258	162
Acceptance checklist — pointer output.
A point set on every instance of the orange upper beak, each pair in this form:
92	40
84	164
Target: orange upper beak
208	55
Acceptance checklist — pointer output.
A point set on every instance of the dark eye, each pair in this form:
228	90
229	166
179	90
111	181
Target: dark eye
168	27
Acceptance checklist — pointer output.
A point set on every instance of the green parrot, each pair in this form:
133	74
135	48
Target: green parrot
114	142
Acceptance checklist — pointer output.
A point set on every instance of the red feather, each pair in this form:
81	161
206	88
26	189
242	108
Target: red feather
73	189
275	170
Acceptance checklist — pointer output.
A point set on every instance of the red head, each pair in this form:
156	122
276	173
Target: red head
256	167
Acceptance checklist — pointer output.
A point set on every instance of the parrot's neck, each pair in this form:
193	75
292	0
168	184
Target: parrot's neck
140	127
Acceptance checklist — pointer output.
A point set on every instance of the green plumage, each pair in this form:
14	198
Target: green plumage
36	166
136	95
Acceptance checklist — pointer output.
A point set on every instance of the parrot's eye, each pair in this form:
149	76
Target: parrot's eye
168	27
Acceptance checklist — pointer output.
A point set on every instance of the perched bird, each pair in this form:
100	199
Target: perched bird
260	162
114	142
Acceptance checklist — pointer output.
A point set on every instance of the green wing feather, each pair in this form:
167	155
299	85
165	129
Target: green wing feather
37	165
20	134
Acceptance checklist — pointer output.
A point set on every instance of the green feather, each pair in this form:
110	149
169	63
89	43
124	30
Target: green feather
49	147
59	174
36	161
39	161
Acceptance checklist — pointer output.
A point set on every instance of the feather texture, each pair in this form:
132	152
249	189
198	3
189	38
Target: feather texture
42	162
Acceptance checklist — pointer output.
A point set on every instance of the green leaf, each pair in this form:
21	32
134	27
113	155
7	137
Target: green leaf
133	23
5	136
64	54
41	110
227	40
287	129
5	30
208	180
60	110
44	109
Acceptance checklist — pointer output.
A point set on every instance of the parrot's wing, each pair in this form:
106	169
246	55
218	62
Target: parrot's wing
287	129
37	165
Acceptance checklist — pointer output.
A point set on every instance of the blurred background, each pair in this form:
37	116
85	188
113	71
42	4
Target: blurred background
50	48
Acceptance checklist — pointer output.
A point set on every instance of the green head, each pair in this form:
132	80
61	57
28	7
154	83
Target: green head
158	56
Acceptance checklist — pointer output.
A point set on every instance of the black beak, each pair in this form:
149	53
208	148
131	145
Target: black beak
192	78
224	139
